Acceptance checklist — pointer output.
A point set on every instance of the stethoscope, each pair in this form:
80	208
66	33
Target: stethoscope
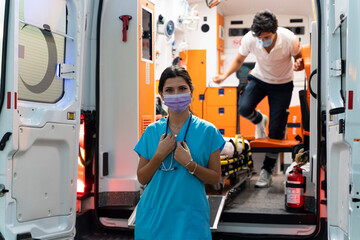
172	157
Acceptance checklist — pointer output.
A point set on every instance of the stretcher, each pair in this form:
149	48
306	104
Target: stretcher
236	160
236	168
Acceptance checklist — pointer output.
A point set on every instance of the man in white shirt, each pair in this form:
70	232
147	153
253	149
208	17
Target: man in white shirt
272	76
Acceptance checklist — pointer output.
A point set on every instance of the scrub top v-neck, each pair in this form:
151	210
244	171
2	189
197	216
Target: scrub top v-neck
174	204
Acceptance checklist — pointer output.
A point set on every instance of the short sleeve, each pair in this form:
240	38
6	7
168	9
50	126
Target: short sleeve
217	141
142	147
244	48
295	46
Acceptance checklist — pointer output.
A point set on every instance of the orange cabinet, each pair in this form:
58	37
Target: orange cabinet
221	96
220	109
221	115
227	131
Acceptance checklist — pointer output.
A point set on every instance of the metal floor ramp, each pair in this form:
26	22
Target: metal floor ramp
216	203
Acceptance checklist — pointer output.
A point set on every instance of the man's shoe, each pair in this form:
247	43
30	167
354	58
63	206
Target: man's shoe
264	179
260	128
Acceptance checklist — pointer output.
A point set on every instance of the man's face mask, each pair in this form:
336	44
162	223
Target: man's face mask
266	43
177	102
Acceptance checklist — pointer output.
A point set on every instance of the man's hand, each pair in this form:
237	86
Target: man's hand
298	64
218	79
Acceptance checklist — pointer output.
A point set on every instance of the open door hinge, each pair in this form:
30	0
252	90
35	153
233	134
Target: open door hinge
336	68
66	71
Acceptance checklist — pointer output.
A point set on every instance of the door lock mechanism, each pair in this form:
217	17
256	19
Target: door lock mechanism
3	190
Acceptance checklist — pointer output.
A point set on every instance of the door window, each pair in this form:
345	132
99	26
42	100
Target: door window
146	46
41	49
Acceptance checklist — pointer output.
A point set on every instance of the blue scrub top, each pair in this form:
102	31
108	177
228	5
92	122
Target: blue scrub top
174	204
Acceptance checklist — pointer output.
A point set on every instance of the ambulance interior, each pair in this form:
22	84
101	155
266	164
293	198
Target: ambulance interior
203	36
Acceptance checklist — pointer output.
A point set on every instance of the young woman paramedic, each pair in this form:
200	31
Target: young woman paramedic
178	154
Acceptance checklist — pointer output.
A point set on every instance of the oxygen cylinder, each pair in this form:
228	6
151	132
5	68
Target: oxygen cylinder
295	188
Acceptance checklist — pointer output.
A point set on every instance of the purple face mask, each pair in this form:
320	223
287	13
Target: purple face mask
178	102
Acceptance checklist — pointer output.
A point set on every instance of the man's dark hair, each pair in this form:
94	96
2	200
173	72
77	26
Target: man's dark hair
264	21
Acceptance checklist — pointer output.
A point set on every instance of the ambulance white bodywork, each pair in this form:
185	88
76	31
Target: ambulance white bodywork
84	66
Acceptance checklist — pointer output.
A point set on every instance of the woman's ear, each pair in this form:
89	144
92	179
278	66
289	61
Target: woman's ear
191	95
161	95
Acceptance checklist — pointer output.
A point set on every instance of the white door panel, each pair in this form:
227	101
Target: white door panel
352	114
44	176
343	129
38	166
338	182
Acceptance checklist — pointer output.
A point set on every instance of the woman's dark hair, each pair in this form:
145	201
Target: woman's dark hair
158	101
172	72
264	21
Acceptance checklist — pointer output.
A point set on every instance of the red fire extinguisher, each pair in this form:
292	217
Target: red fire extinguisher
295	188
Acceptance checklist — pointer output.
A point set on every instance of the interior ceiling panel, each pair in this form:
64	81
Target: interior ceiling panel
279	7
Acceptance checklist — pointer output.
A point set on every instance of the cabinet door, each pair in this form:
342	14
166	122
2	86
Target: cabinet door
196	66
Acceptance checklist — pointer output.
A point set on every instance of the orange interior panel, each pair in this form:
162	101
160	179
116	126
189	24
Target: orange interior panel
247	128
220	42
146	86
196	66
220	22
157	86
221	63
306	55
294	118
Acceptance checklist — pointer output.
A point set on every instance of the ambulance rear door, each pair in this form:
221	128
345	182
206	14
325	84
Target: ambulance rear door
41	69
343	117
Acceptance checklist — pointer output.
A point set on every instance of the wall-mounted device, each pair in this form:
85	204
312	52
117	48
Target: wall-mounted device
165	27
205	27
